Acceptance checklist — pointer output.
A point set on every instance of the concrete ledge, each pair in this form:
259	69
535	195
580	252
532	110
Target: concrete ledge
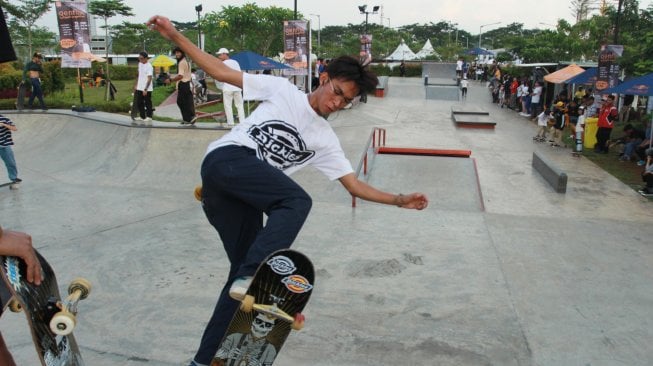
551	173
471	118
382	88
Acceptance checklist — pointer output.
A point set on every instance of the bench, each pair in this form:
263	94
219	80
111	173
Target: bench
551	173
382	87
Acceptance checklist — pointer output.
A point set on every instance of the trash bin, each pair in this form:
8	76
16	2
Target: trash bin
591	126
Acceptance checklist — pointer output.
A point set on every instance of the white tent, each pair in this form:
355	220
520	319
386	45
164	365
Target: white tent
427	50
402	53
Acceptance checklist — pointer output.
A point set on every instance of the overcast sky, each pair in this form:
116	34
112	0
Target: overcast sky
468	14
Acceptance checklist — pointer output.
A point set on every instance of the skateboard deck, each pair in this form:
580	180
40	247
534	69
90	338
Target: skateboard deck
133	107
12	185
51	319
20	98
272	307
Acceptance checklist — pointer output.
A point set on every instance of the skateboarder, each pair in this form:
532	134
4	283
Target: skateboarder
18	244
34	69
7	154
245	174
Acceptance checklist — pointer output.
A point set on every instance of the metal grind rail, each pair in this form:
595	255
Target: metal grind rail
376	139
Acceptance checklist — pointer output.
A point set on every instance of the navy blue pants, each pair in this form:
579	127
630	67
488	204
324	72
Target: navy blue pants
37	92
237	189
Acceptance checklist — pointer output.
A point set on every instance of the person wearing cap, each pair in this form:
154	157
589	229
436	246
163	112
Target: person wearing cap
246	172
230	93
34	69
608	114
143	87
184	90
559	124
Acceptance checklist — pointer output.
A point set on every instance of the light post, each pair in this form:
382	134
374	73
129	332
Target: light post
480	31
388	19
319	30
198	9
466	38
363	10
491	39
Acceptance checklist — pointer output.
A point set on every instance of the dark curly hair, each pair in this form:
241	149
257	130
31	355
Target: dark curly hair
350	69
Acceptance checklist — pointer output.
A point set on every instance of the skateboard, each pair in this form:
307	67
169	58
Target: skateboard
51	319
12	185
133	107
273	306
20	98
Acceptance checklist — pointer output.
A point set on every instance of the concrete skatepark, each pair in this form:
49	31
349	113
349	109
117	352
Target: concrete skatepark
513	274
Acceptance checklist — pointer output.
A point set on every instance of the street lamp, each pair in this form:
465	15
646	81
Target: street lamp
363	10
466	38
491	39
198	9
480	32
319	30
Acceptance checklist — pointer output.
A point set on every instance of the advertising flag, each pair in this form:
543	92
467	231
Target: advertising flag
74	37
608	71
295	46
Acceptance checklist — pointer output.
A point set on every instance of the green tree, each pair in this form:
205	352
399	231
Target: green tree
106	9
135	37
39	38
27	14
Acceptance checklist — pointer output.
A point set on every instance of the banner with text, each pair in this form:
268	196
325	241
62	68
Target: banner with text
295	46
608	69
74	37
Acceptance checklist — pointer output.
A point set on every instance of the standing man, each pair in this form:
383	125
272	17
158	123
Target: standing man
607	115
7	154
231	93
144	87
34	69
184	88
245	173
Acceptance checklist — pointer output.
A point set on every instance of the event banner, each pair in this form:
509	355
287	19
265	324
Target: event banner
366	49
607	75
295	46
74	37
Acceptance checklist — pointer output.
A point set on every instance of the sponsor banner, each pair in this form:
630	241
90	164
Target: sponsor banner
295	46
607	75
74	37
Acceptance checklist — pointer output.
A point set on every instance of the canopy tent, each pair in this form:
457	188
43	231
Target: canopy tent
427	50
585	78
477	51
642	85
252	61
403	52
563	75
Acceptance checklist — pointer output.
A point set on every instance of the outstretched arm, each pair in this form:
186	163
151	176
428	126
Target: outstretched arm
211	65
358	188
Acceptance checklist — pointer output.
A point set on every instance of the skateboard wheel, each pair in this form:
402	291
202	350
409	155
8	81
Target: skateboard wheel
198	193
82	285
62	323
247	304
298	323
15	306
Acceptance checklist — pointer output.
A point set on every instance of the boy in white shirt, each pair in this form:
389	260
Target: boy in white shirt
245	173
144	87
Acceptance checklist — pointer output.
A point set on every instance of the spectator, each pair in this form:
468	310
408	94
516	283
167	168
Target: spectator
514	94
525	99
402	69
143	87
33	69
573	111
184	87
231	94
536	98
632	138
640	151
647	174
559	124
607	116
463	86
542	124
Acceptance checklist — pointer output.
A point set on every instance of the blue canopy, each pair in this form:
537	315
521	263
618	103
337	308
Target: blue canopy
642	85
478	51
587	78
249	61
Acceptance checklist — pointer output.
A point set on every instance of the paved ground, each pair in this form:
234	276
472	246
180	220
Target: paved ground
526	276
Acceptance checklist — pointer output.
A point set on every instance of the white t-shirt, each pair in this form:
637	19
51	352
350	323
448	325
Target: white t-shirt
285	131
537	91
144	70
543	119
234	65
459	65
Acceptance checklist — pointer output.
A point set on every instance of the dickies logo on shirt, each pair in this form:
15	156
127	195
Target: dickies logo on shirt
279	144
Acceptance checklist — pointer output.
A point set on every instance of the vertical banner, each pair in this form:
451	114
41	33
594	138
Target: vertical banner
607	75
295	46
366	49
74	37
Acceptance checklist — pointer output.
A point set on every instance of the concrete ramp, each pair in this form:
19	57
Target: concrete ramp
439	70
451	183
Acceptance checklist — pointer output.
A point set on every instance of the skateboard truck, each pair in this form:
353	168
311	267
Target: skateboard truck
63	322
296	322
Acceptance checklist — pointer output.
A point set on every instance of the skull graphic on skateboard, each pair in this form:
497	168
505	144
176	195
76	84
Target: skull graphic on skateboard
271	308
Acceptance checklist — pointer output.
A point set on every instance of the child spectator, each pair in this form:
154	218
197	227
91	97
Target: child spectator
559	124
542	123
502	95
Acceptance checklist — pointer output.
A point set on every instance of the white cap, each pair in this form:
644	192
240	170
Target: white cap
222	50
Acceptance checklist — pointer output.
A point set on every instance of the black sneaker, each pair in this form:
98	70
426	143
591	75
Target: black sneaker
646	192
17	180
